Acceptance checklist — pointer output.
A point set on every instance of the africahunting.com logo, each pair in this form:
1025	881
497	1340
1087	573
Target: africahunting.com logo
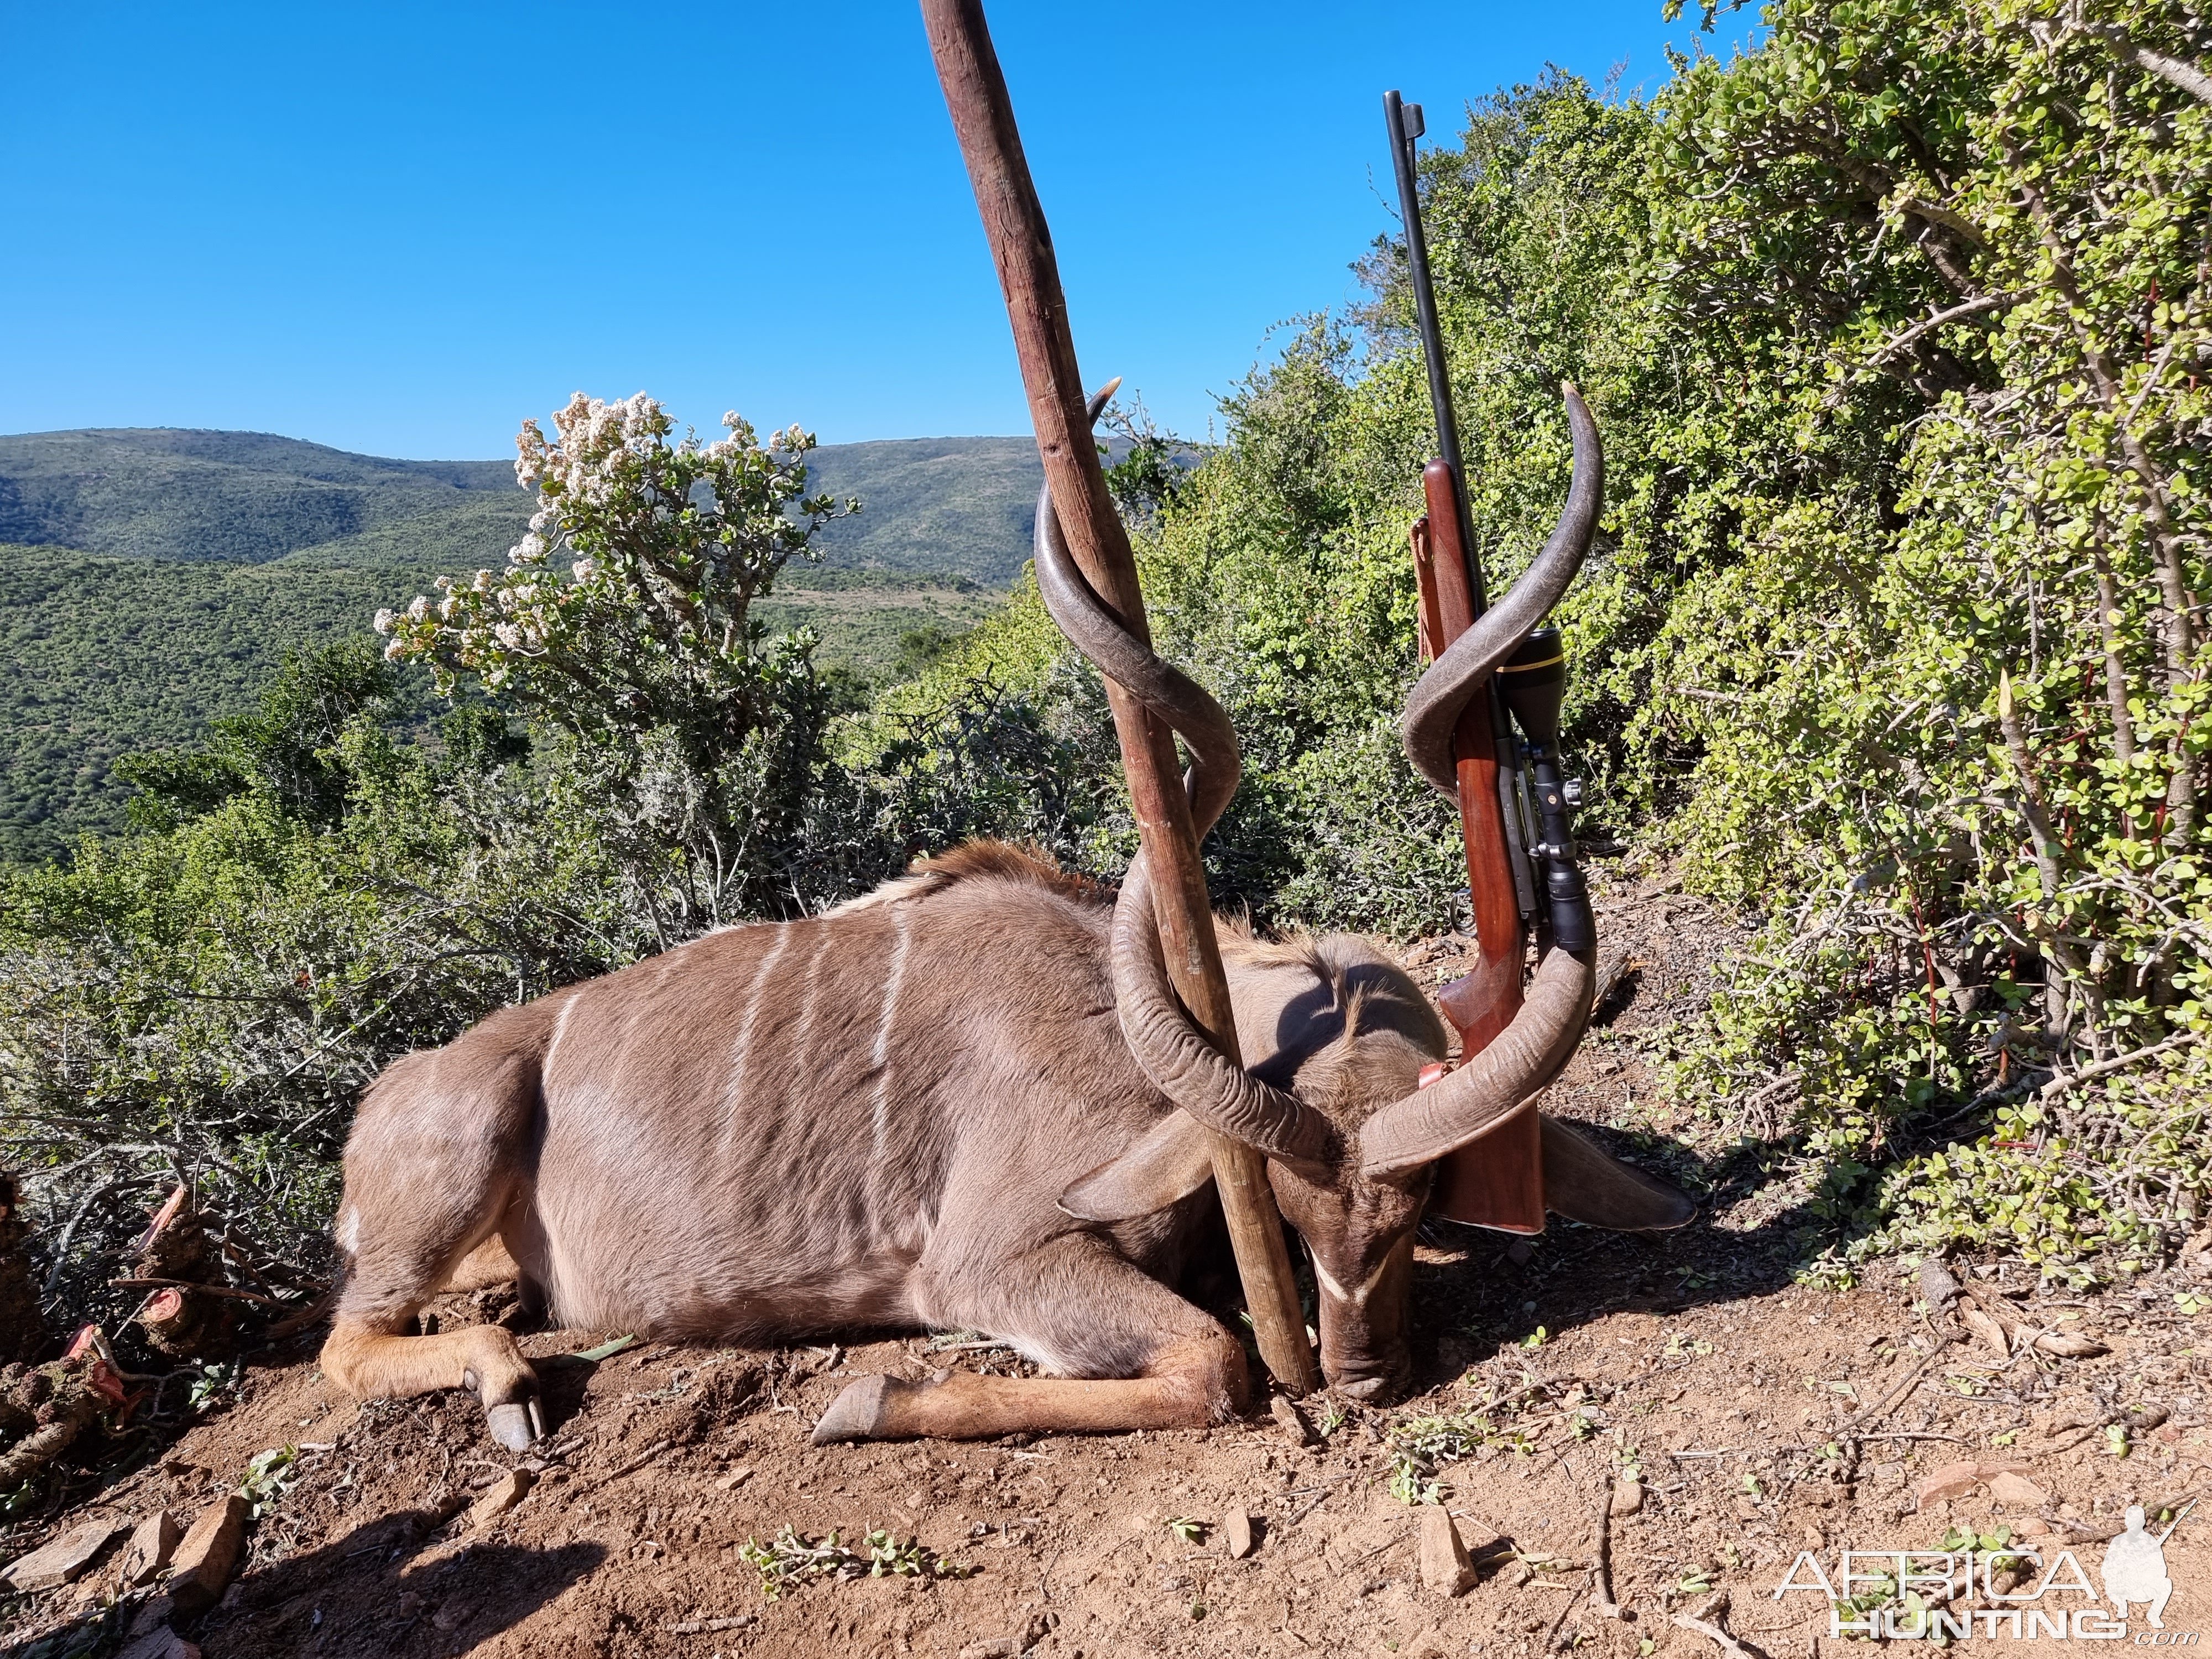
1984	1586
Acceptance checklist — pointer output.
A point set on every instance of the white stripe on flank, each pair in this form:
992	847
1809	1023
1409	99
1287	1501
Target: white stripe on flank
802	1045
899	920
741	1050
553	1048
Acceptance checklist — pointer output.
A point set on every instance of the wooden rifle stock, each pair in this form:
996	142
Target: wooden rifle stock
1499	1181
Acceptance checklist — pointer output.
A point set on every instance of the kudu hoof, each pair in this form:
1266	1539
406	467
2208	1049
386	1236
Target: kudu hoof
857	1414
515	1425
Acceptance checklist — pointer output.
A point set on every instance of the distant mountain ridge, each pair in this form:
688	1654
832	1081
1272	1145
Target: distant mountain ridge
152	579
958	507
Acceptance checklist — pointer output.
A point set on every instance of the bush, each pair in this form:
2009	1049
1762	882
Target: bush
333	880
1891	636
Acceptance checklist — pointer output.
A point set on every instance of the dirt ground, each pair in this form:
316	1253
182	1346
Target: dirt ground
1759	1417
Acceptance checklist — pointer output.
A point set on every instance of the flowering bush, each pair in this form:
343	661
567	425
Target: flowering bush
665	547
623	623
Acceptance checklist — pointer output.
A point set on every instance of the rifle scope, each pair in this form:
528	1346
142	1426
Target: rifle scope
1533	681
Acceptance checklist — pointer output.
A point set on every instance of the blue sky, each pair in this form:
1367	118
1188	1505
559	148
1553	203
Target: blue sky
400	229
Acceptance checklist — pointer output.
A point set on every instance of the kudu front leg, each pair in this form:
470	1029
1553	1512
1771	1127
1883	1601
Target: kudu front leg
1130	1354
1193	1383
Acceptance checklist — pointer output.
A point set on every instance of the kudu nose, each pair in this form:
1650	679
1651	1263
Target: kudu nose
1374	1382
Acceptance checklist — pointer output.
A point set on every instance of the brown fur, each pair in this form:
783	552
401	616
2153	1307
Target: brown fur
704	1146
866	1119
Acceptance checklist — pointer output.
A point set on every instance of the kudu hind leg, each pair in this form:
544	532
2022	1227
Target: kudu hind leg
482	1359
422	1203
1142	1358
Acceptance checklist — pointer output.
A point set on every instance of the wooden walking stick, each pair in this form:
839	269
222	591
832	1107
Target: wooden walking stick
1021	247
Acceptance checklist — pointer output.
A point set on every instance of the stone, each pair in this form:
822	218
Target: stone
200	1570
1236	1534
1951	1480
1627	1496
1292	1420
503	1495
2017	1491
153	1541
1938	1288
153	1613
161	1644
61	1561
1445	1564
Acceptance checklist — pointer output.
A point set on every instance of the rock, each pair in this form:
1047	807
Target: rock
161	1644
1937	1286
2018	1491
1627	1496
503	1495
1237	1532
153	1541
1444	1566
1957	1480
1008	1647
735	1478
1295	1428
61	1561
1951	1480
200	1568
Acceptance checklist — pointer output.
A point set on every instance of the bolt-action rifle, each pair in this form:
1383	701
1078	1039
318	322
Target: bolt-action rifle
1513	804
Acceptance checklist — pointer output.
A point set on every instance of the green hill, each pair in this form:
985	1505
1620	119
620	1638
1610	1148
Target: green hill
151	580
952	505
236	497
962	505
107	654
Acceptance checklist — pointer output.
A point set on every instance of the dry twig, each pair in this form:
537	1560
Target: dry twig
1601	1558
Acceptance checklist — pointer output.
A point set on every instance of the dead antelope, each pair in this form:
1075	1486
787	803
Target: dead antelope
968	1100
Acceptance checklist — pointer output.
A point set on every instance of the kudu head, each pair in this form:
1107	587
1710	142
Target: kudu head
1337	1038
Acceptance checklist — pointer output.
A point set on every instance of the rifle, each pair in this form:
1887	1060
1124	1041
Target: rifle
1508	830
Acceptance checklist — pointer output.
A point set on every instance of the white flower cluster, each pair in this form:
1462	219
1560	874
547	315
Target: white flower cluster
665	543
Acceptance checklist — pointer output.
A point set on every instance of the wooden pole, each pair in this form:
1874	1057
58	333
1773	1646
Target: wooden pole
1021	247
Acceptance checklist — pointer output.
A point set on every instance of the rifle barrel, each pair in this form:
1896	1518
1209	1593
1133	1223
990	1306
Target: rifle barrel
1432	337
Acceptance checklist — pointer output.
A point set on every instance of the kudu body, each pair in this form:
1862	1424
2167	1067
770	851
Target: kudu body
969	1100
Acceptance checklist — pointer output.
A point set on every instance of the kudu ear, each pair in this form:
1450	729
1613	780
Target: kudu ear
1584	1184
1171	1162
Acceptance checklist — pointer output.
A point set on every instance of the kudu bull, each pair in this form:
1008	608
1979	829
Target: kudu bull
968	1100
